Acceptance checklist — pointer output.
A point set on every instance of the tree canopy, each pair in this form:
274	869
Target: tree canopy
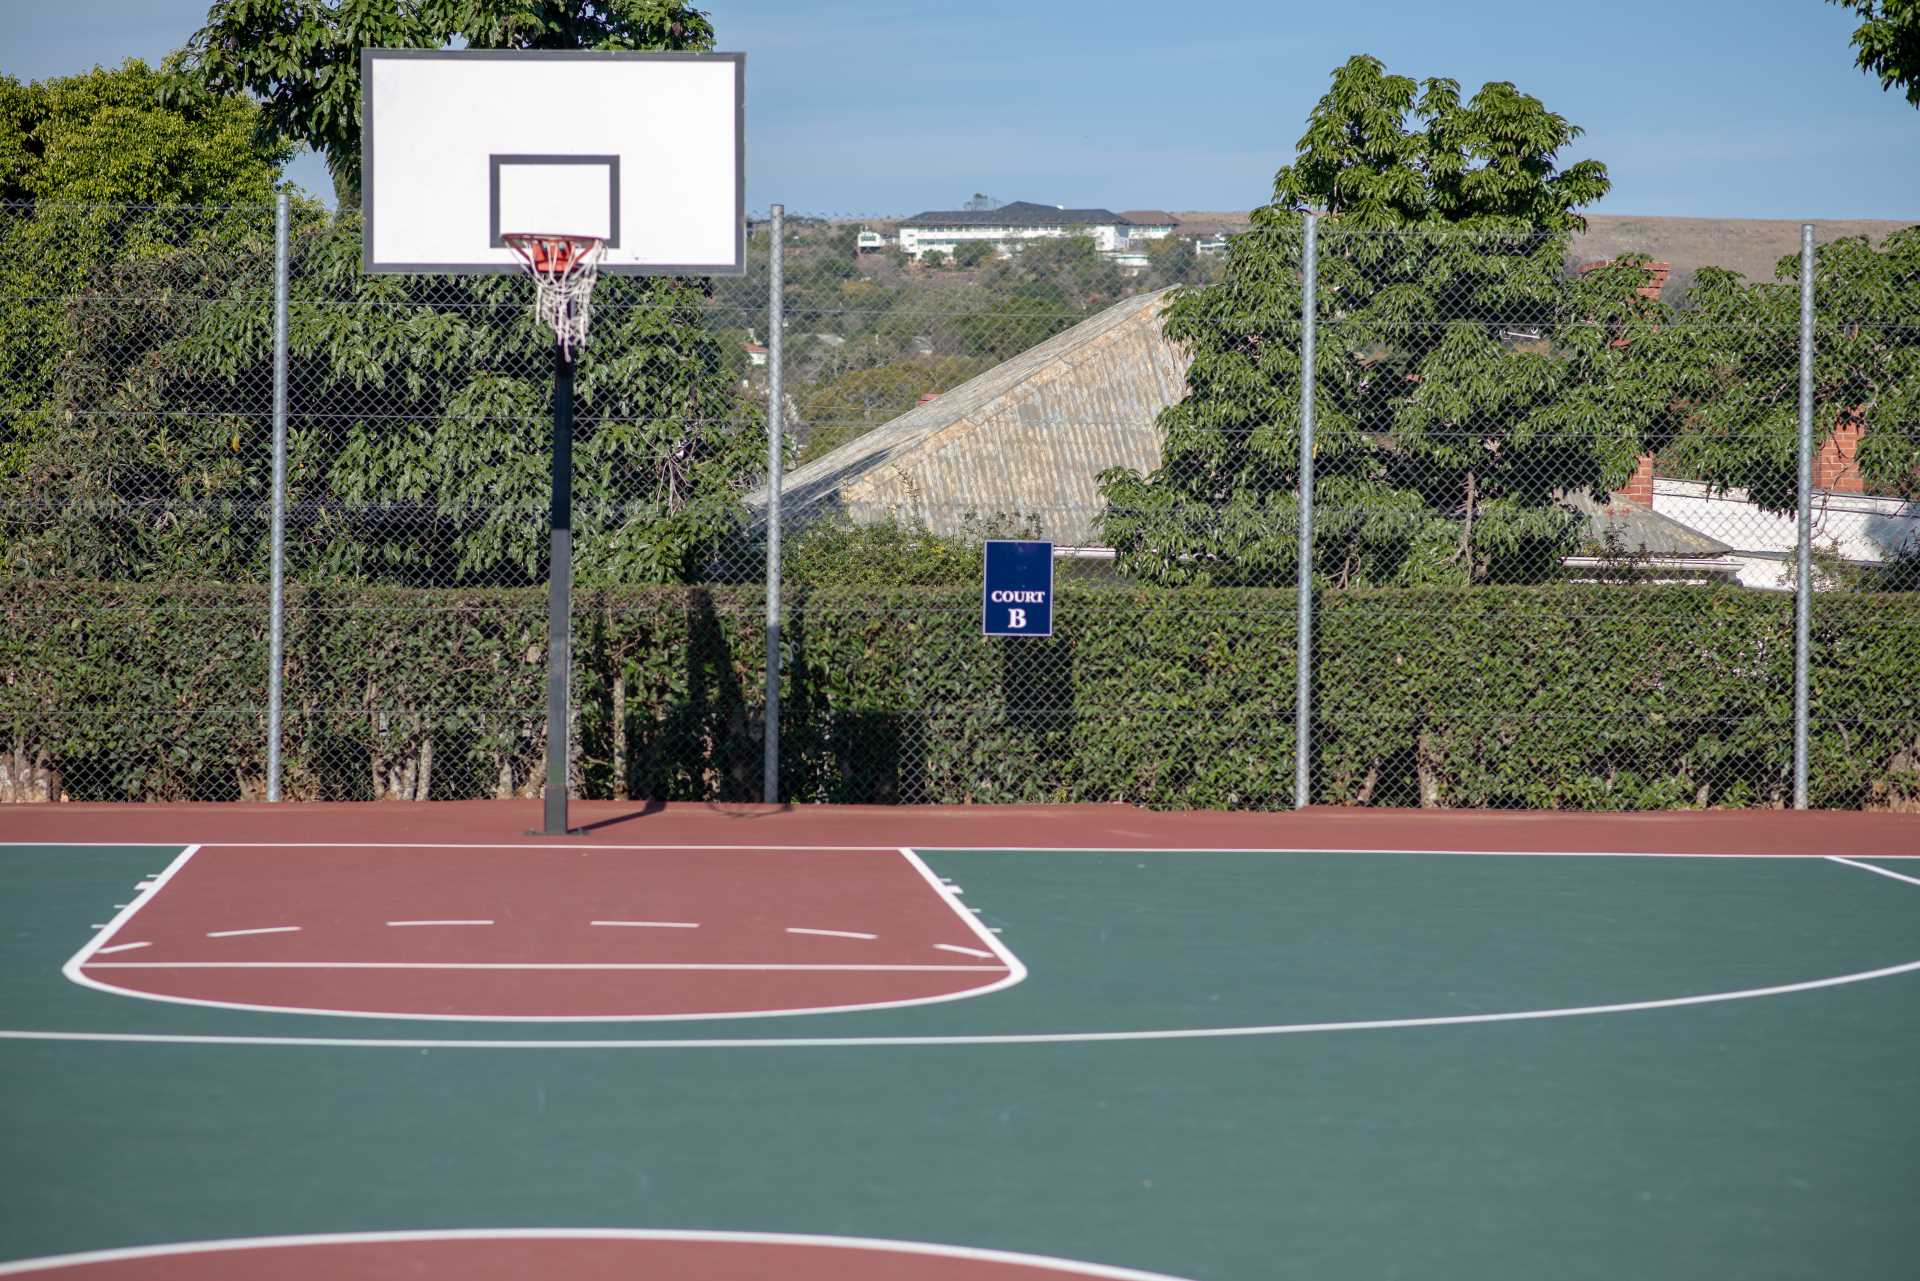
1887	42
92	169
301	58
1464	384
131	135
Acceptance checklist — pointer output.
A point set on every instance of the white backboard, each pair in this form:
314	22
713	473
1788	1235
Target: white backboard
645	150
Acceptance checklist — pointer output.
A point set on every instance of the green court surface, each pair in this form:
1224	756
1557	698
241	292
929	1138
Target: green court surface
1220	1066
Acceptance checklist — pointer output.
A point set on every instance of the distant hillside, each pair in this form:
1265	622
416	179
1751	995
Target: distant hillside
1750	246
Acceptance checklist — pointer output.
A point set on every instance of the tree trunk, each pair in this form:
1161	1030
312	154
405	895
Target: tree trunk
619	733
1430	798
27	777
1466	528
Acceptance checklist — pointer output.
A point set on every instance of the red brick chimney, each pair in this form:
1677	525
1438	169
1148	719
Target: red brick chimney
1651	290
1639	486
1834	466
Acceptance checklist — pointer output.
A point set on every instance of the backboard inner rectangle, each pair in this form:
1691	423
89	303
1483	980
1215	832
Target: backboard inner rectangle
571	195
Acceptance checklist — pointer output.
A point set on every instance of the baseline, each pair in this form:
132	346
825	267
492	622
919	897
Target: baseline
1043	1264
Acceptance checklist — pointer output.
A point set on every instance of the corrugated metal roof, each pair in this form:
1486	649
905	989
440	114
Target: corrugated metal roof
1023	441
1640	531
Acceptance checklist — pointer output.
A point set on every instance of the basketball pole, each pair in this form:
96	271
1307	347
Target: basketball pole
559	595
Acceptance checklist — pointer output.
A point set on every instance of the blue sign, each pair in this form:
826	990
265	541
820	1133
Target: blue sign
1017	596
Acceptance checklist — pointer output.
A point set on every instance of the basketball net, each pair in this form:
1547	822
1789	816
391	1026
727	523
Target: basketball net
564	269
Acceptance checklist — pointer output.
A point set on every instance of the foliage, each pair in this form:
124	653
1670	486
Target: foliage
971	253
1576	698
1887	42
88	164
1736	364
859	400
1462	383
419	442
301	58
846	555
113	137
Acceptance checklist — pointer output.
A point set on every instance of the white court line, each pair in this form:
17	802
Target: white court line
832	934
1010	973
1020	1038
401	923
1868	867
120	947
72	969
525	965
964	951
989	937
652	925
1070	1267
265	929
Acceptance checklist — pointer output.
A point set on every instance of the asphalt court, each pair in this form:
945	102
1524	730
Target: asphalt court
1218	1065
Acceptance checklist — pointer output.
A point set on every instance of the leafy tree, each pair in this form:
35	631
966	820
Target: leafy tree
1887	42
1172	261
1738	364
301	58
131	136
420	403
420	424
971	253
858	401
90	166
1463	385
1070	268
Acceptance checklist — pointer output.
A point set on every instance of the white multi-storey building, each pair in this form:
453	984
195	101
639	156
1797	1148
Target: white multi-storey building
943	230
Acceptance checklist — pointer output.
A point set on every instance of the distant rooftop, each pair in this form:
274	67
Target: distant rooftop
1149	217
1021	213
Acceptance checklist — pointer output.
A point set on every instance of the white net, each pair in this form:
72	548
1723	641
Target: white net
564	269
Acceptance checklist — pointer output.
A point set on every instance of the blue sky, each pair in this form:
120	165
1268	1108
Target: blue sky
1707	108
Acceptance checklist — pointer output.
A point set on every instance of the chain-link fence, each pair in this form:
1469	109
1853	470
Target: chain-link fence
1555	530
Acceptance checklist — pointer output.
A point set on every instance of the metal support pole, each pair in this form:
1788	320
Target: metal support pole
776	277
559	597
1303	650
1803	576
277	570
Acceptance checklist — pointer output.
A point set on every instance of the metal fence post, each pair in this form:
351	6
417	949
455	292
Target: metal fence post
776	280
1803	576
1303	649
277	596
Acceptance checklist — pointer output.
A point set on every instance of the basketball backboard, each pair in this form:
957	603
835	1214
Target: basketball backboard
645	151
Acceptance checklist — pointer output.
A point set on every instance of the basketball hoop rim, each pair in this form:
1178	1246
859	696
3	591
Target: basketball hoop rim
578	247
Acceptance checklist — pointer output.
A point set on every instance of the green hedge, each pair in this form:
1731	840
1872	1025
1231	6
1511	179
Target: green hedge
1579	697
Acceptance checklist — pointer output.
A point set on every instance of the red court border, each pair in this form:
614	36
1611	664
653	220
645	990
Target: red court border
1006	972
836	1258
1860	834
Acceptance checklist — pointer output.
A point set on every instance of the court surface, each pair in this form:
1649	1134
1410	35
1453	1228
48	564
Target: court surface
386	1041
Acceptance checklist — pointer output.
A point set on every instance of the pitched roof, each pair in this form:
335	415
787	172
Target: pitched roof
1027	439
1640	531
1021	213
1149	217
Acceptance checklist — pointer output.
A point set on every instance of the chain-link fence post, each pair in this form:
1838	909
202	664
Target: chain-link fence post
1803	564
559	598
770	765
1303	645
276	625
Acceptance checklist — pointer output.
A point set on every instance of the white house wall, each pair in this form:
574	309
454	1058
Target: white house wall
915	241
1856	527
